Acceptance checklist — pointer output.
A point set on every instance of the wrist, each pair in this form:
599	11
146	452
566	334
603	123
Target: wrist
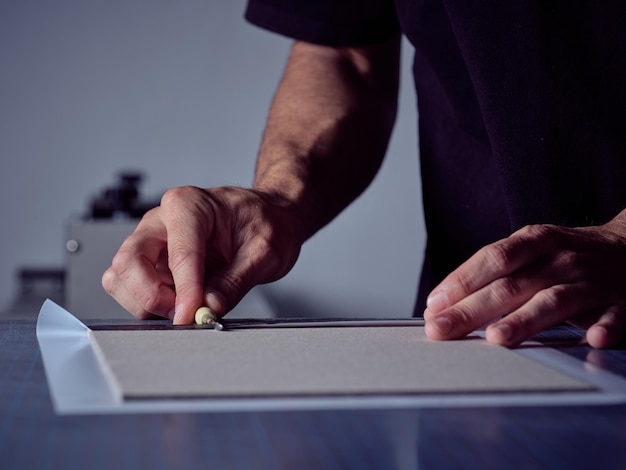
294	209
617	227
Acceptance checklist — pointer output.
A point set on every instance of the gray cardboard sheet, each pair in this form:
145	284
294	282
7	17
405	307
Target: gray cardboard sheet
314	361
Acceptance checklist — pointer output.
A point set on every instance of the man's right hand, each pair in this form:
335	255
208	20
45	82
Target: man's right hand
326	136
203	247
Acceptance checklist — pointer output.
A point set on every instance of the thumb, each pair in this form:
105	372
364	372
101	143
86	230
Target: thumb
248	268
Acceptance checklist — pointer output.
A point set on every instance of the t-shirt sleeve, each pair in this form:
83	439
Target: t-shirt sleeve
327	22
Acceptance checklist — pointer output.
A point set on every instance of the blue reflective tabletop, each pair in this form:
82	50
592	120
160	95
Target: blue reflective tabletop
33	437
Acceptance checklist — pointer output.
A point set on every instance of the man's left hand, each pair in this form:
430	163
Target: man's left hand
540	276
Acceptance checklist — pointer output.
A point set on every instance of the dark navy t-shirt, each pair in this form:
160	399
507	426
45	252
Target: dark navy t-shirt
521	104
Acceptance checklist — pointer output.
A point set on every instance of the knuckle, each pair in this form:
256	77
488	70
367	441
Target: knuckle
176	194
467	316
537	231
571	260
463	281
554	297
149	301
122	262
109	281
263	238
572	265
265	249
233	284
545	235
505	289
180	257
175	197
149	216
275	253
498	256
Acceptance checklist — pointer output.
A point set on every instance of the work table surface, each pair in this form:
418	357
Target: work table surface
32	436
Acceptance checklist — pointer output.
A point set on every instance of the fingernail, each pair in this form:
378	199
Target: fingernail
216	302
175	315
427	314
442	324
505	331
437	301
178	313
171	314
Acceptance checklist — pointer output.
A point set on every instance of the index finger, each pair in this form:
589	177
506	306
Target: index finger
186	250
490	263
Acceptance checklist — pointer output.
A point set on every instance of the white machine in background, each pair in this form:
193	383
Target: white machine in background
93	240
91	245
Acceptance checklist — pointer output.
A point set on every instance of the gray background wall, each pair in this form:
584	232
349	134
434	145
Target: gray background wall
179	90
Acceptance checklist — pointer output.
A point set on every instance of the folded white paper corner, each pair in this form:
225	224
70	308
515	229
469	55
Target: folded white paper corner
75	379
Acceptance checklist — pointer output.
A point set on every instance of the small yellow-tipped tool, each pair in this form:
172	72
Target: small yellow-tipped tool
205	316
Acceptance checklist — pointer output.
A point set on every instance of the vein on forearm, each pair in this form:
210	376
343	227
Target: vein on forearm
328	128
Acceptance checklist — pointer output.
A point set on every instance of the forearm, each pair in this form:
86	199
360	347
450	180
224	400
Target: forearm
328	128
